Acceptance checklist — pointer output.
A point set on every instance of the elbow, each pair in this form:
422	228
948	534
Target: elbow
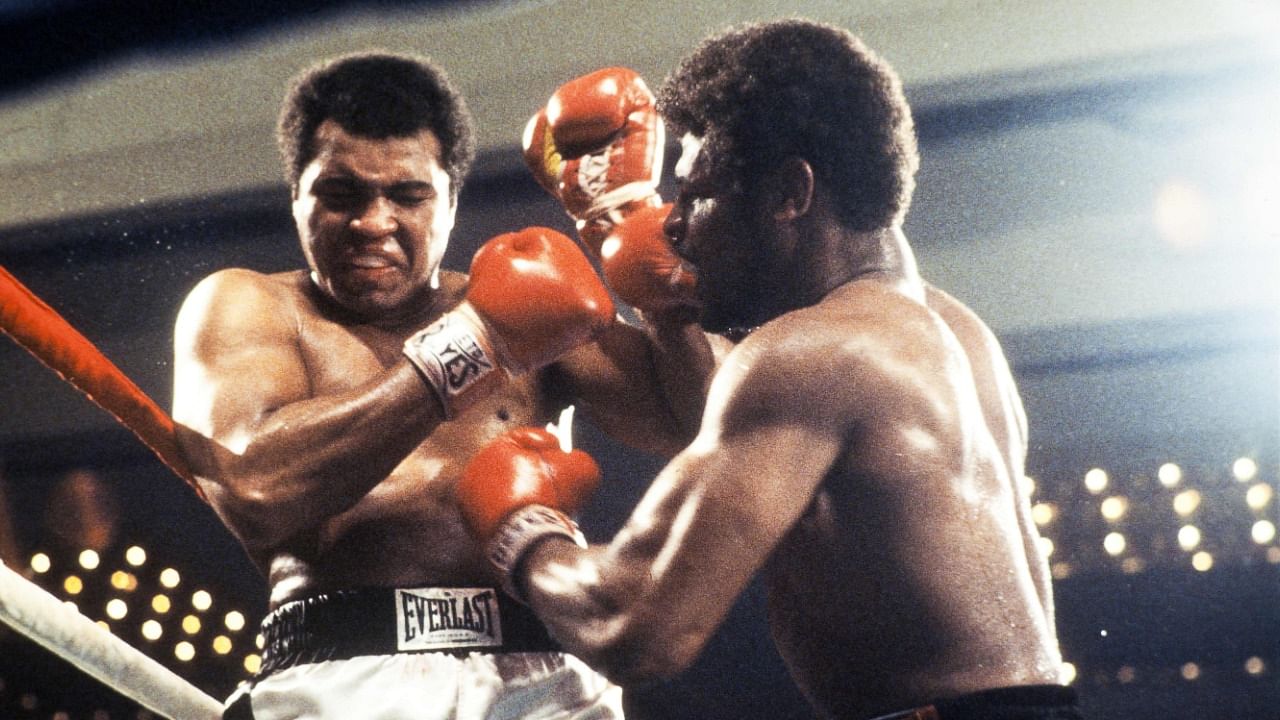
641	655
605	615
239	493
263	494
251	513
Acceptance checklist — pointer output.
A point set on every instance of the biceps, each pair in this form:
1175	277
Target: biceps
714	516
222	388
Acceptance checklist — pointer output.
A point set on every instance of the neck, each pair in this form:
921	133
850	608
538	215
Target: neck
411	315
849	256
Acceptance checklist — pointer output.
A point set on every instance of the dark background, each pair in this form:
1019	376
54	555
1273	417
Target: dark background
1112	214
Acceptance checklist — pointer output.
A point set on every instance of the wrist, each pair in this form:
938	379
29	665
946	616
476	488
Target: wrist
458	358
609	210
518	534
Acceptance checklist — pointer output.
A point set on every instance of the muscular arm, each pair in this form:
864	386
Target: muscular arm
645	605
684	359
644	386
274	458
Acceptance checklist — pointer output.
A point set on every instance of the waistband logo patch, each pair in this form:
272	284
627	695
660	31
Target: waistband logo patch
443	618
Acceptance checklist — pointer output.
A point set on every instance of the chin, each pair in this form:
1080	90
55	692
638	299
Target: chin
369	305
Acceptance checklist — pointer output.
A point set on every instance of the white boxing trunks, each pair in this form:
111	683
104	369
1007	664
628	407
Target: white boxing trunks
417	654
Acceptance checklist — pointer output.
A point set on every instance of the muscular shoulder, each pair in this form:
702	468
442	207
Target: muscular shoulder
970	329
233	288
864	355
232	300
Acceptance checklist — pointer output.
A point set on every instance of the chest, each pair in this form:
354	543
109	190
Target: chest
346	359
340	357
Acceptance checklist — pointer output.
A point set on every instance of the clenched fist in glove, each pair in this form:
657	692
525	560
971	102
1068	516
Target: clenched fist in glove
521	488
597	148
532	297
643	269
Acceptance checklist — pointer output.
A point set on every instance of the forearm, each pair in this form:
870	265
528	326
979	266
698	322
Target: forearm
517	495
312	459
683	364
639	608
595	609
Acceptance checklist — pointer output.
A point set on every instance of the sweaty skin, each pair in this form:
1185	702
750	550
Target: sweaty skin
862	451
939	591
317	442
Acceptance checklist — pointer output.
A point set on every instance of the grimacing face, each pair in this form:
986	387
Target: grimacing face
711	227
374	217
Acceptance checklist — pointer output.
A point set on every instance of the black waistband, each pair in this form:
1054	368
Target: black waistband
344	624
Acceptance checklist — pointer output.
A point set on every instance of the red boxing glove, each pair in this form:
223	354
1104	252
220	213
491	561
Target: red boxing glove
642	268
540	293
597	148
521	488
541	155
533	296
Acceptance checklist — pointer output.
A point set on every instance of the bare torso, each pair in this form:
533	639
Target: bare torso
864	455
912	574
406	531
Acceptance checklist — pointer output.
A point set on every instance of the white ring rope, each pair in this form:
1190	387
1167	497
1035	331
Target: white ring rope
30	610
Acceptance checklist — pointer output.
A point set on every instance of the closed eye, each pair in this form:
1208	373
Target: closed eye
341	194
411	193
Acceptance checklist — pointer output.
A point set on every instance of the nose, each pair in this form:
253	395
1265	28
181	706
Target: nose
376	218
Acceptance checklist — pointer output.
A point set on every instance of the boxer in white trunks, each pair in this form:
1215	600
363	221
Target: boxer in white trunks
328	412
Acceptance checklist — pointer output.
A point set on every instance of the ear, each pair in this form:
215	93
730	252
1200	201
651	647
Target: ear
792	189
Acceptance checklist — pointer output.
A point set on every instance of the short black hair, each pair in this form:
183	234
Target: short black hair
376	95
761	92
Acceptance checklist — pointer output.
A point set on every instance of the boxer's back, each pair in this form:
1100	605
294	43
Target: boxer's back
913	574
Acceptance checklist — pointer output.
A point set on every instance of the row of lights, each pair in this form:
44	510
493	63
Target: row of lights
152	630
1189	671
1170	475
1114	509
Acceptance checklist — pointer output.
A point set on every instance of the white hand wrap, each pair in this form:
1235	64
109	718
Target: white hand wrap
458	358
519	532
